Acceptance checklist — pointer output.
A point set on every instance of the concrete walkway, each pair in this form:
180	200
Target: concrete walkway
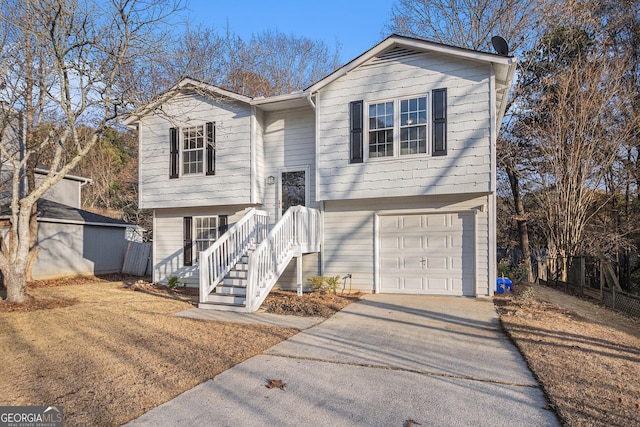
259	318
388	360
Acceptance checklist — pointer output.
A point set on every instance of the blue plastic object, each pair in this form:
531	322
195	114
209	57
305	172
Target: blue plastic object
503	284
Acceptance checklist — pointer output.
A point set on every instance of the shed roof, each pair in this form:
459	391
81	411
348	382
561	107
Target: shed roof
51	211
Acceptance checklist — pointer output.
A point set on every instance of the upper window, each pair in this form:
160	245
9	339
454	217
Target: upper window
407	125
413	126
381	129
398	127
192	150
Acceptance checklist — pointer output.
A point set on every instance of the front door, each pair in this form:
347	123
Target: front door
294	190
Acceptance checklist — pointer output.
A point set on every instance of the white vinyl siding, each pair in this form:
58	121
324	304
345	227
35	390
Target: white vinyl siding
289	278
465	169
289	138
351	234
169	240
231	185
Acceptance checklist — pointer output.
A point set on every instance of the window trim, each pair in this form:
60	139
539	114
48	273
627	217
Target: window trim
183	150
194	235
397	126
177	150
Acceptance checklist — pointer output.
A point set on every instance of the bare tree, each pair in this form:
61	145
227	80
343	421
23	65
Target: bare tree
472	24
577	119
61	71
466	23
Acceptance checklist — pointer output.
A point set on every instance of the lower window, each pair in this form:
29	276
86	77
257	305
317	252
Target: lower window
205	232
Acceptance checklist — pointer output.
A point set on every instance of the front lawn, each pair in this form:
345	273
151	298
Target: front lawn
112	354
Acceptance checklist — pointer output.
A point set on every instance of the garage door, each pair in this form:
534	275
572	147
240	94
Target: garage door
427	254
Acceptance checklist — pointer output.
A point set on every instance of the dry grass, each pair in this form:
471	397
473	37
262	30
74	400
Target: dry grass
112	354
586	356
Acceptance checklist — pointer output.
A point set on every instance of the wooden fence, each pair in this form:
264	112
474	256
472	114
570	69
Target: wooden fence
137	260
588	276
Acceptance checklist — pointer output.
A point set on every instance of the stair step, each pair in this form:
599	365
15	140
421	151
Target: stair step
230	290
226	299
231	281
223	306
237	274
241	266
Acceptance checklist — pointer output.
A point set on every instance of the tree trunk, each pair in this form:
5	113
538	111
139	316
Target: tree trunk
521	220
14	281
33	240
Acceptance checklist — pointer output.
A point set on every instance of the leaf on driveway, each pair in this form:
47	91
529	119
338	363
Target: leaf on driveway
277	384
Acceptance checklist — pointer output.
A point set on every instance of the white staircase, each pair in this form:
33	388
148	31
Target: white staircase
239	270
231	293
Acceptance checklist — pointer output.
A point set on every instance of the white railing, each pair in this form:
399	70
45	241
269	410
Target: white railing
219	258
299	231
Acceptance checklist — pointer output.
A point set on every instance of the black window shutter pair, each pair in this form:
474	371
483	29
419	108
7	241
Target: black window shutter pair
439	124
223	226
174	151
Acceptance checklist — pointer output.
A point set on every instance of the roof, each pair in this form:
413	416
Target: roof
51	211
185	84
44	171
504	70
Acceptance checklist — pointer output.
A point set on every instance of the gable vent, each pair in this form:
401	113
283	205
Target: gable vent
395	54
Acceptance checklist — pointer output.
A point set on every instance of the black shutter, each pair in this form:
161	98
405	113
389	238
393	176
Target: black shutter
355	109
188	241
439	122
223	224
211	148
174	153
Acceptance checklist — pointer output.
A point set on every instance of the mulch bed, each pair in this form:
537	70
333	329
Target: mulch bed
312	304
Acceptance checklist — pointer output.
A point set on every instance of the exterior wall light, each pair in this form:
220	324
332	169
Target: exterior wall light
271	180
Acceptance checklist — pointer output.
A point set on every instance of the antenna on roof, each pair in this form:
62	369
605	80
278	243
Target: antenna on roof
500	45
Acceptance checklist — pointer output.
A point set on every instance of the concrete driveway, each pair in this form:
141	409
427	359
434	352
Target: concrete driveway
388	360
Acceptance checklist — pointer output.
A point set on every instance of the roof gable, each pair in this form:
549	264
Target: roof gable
397	47
393	48
186	84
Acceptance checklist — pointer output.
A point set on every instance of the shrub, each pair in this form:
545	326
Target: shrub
173	282
316	283
323	284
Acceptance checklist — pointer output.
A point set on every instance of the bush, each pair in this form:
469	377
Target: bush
173	282
323	284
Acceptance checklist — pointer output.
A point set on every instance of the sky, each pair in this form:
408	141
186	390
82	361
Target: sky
357	25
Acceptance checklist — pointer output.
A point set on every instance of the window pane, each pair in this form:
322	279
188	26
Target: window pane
206	232
381	129
193	150
413	129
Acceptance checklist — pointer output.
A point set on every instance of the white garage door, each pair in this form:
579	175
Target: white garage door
427	254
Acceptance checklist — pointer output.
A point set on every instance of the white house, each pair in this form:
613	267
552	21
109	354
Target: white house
393	157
